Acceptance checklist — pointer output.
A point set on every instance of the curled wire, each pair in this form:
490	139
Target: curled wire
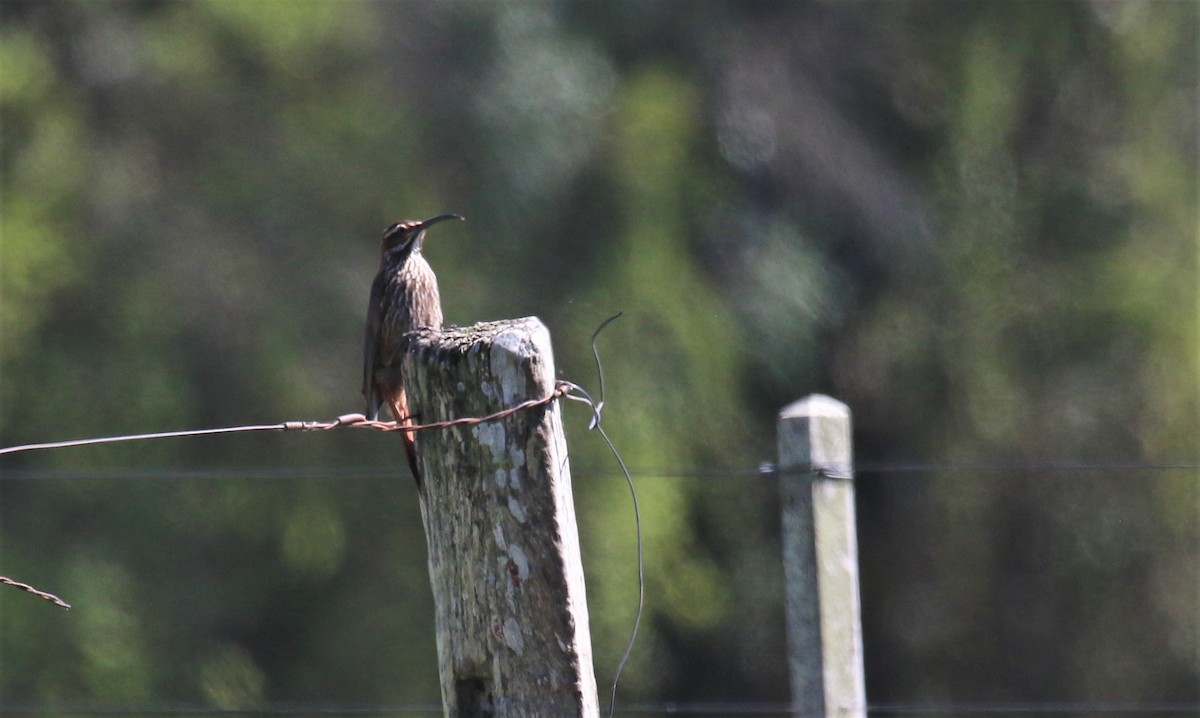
577	393
600	367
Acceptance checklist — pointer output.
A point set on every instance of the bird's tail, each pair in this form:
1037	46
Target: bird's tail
399	406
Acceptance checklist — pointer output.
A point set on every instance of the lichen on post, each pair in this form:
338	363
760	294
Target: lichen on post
504	560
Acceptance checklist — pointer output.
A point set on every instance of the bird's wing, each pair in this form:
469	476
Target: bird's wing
370	345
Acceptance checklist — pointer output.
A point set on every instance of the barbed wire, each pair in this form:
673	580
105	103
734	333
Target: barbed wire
561	389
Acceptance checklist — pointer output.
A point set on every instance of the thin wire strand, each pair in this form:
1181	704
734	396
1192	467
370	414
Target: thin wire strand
637	620
353	420
40	594
637	511
895	467
1017	708
564	388
599	365
383	472
178	709
661	708
220	474
142	437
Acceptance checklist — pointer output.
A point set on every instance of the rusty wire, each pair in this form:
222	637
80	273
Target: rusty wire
562	389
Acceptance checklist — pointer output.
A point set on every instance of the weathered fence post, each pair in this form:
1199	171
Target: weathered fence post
820	552
504	563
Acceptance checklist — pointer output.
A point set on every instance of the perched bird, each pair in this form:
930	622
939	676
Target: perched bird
404	297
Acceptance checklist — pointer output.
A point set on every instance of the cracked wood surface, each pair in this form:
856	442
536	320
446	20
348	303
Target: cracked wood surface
504	562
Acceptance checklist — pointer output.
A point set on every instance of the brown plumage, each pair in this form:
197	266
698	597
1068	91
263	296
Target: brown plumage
404	297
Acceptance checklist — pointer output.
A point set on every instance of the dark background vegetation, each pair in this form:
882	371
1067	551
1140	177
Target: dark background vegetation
974	222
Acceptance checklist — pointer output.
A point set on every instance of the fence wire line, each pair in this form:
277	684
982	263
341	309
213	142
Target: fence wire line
561	389
572	391
767	470
662	708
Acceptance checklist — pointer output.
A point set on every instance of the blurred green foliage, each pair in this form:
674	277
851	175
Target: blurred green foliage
976	223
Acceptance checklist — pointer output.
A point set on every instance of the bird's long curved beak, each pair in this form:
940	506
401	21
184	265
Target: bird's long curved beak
427	223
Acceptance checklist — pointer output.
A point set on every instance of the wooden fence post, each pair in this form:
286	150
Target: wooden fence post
820	551
504	563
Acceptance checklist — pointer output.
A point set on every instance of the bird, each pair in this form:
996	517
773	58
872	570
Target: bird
404	297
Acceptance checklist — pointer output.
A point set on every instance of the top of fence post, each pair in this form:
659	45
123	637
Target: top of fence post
814	435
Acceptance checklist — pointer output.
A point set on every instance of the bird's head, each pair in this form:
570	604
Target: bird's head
407	235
